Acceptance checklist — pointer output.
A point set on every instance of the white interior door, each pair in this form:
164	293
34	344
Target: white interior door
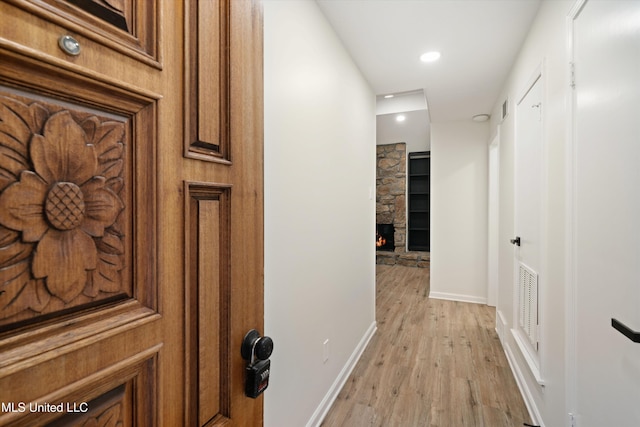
606	221
528	209
529	174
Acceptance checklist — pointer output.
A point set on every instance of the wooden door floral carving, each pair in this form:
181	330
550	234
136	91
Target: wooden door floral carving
61	185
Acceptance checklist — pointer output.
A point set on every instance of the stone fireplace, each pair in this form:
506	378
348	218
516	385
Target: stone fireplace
385	237
391	205
391	185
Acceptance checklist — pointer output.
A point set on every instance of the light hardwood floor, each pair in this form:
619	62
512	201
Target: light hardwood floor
431	363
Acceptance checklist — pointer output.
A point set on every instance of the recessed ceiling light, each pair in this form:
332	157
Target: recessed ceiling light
400	118
388	96
430	56
481	117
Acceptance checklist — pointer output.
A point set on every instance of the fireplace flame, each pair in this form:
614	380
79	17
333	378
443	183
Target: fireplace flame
380	241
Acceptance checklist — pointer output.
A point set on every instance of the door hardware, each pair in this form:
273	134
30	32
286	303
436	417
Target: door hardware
69	45
625	330
515	241
256	350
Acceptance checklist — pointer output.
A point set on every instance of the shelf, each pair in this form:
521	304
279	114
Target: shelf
419	205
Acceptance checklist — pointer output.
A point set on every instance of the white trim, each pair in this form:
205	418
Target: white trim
529	401
570	221
524	348
493	226
543	349
501	326
457	297
321	411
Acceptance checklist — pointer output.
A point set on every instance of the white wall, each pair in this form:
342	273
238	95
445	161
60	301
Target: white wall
414	131
545	45
319	210
401	103
459	180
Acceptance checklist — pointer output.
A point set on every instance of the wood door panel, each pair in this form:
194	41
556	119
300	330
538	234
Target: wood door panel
111	409
68	208
30	346
207	302
119	13
78	370
206	62
127	26
62	208
246	90
121	393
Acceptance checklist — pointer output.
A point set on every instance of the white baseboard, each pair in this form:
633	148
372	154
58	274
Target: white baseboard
529	402
332	394
501	326
457	297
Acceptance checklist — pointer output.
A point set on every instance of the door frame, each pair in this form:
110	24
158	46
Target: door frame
570	216
493	250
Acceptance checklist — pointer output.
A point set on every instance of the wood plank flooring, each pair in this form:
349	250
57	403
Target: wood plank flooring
431	363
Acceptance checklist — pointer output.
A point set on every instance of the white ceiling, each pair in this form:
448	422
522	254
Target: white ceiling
478	39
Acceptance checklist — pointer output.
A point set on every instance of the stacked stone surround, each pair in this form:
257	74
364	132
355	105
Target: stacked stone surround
409	259
391	204
391	171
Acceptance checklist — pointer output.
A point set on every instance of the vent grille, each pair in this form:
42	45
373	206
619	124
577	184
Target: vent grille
528	286
505	109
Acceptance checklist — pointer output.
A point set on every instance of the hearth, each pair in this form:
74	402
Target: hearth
384	237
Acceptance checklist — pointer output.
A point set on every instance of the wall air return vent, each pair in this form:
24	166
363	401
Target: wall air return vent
528	307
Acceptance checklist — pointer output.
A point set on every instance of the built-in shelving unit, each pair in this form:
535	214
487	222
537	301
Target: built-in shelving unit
419	201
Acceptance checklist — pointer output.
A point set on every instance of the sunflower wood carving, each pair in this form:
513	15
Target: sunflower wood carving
62	240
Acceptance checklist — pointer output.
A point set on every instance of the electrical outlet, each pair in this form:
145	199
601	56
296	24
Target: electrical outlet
325	351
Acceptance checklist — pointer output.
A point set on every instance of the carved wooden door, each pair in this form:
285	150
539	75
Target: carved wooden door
130	210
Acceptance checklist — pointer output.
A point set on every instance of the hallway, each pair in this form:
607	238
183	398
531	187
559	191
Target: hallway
431	363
